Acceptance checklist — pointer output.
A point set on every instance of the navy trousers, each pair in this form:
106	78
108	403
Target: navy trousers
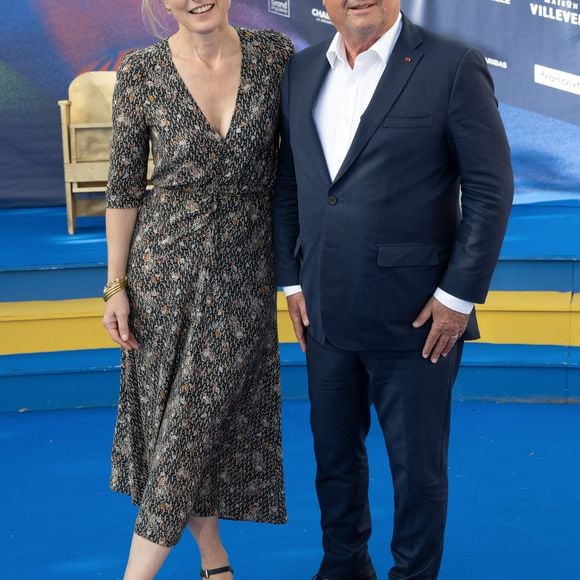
412	399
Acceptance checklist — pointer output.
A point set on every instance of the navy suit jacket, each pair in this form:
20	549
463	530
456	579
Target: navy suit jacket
370	247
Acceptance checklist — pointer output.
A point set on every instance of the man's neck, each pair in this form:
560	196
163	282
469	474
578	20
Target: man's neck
355	44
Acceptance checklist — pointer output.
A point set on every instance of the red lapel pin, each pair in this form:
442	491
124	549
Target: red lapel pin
408	59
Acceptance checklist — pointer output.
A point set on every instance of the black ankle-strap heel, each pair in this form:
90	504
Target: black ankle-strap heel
208	573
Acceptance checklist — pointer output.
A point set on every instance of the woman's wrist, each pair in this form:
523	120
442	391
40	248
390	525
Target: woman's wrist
115	275
114	287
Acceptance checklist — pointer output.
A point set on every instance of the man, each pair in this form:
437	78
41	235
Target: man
380	128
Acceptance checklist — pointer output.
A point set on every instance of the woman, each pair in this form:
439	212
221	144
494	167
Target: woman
198	428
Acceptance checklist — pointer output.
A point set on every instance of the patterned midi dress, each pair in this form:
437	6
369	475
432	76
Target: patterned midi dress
198	428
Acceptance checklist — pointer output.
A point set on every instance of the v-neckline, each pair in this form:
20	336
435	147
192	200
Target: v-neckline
243	59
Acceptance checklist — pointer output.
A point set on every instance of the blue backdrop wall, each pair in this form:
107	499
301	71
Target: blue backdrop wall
532	48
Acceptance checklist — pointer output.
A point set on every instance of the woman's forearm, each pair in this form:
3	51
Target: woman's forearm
120	226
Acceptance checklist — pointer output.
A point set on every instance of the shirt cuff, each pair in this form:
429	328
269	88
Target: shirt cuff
453	302
289	290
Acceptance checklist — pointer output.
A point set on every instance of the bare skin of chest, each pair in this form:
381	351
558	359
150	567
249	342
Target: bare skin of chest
214	88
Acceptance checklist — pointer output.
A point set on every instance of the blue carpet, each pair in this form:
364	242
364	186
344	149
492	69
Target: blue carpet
513	515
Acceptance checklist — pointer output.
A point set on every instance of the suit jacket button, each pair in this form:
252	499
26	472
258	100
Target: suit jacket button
332	200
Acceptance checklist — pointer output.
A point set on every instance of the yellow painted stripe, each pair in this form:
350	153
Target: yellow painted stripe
575	321
507	318
27	327
526	318
527	301
551	318
50	310
285	329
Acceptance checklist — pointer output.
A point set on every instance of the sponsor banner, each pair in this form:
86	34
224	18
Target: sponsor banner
280	7
557	79
320	15
515	36
567	13
531	48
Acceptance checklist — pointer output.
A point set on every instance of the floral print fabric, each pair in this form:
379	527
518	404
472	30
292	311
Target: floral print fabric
198	426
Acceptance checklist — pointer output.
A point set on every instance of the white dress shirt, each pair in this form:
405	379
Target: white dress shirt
347	92
343	99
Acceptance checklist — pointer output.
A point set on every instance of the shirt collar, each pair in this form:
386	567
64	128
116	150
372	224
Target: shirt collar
382	47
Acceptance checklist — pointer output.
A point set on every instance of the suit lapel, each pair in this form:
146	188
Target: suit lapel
402	62
311	89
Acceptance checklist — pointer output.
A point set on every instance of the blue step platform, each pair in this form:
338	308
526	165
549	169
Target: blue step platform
90	378
39	261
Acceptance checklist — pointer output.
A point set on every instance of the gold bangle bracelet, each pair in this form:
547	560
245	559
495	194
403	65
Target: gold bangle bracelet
121	280
114	287
122	283
112	291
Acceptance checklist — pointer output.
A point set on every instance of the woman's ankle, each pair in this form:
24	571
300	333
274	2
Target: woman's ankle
214	558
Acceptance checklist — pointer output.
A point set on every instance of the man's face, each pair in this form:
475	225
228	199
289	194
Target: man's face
362	20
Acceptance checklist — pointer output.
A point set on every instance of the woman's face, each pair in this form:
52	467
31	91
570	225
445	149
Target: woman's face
200	16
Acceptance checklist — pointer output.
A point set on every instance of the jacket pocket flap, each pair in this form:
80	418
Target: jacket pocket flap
410	121
401	255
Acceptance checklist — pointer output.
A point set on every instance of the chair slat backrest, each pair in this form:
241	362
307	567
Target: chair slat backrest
86	133
91	97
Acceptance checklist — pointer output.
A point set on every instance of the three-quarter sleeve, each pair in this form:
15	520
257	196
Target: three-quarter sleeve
130	140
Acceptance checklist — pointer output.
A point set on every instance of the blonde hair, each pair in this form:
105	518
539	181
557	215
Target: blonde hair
154	17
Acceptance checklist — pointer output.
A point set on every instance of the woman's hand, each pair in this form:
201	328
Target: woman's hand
116	321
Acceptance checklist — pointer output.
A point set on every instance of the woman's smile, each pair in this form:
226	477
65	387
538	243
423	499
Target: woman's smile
202	9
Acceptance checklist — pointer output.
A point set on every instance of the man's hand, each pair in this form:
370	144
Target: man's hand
448	325
299	317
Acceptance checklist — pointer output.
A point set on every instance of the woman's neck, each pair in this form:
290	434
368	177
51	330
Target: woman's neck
208	48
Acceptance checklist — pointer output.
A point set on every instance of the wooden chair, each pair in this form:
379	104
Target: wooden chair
86	140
